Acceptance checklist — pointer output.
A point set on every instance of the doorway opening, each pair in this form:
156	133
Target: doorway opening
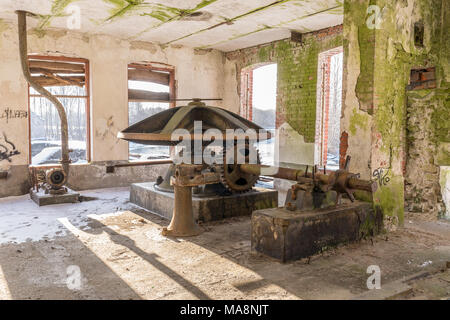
258	103
329	105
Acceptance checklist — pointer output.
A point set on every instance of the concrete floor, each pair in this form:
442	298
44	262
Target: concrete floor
121	255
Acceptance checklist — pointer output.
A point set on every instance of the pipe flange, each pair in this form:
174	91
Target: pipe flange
55	178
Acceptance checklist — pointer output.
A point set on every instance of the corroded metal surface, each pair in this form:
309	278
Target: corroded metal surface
22	22
158	129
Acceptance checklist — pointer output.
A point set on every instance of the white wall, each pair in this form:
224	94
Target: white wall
198	74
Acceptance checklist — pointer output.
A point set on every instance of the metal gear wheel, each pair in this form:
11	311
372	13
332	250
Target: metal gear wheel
231	176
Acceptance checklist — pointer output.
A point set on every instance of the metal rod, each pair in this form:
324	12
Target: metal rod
22	22
300	176
212	99
59	96
144	163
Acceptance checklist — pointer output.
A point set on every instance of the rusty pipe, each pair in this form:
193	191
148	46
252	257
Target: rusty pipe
282	173
301	176
22	24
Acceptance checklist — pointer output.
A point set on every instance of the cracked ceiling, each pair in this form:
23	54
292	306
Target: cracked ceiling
225	25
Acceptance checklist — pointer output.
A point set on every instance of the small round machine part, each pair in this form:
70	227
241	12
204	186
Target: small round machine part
55	178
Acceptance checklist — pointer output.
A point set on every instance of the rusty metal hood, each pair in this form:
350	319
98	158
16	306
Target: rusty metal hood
158	129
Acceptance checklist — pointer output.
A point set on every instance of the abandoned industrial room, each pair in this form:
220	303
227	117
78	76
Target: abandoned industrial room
224	150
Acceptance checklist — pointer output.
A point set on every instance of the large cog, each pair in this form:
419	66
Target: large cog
231	176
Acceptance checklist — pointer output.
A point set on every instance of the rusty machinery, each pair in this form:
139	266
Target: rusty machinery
310	192
52	180
311	189
200	179
315	189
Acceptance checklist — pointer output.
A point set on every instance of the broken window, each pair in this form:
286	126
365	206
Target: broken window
150	90
329	103
67	80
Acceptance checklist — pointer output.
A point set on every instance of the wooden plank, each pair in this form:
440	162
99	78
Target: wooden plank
135	95
148	75
51	82
49	65
58	71
66	80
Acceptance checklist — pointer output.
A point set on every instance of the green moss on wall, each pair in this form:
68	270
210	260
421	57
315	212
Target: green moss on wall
396	55
358	120
366	41
386	56
439	119
389	198
443	154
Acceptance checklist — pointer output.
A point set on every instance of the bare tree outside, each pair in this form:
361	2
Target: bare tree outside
45	125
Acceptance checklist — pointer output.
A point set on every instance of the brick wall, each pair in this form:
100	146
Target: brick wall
297	75
246	108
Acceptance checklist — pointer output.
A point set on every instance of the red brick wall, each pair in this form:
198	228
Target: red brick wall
246	109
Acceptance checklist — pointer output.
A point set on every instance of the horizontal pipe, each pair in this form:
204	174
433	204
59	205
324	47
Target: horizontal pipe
143	163
300	176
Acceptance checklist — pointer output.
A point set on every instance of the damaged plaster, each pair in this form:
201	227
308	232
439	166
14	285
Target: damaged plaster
383	58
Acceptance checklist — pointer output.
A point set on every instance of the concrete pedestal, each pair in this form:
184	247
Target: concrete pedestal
291	235
43	199
205	208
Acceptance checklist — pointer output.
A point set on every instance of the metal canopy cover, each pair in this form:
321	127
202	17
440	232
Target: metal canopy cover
158	129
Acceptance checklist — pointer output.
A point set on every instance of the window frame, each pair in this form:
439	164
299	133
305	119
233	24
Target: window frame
172	96
87	97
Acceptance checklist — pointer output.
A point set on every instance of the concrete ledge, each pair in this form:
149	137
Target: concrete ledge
205	208
288	236
43	199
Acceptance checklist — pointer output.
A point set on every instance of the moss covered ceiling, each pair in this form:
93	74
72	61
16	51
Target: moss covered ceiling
220	24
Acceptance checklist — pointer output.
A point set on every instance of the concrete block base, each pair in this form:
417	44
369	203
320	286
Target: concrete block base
292	235
43	199
205	208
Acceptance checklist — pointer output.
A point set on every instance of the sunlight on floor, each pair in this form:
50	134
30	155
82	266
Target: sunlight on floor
5	294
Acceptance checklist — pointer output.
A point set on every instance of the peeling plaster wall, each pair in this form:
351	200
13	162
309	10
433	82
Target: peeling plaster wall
424	192
199	73
376	72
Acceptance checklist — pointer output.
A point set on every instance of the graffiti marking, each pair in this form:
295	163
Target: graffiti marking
381	176
7	152
13	114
